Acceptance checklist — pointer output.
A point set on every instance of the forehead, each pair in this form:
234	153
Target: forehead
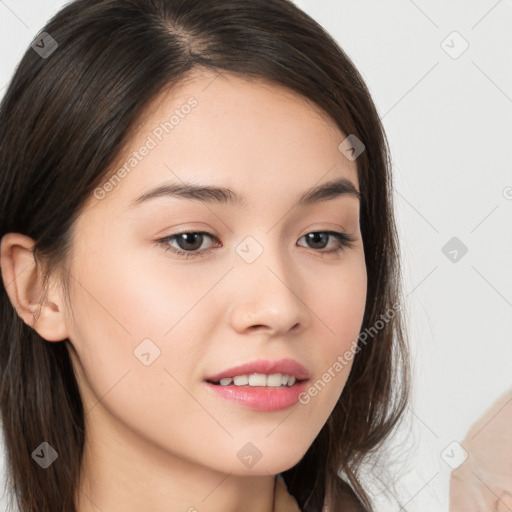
246	134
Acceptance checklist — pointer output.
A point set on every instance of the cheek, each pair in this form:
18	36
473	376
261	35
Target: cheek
139	315
134	336
137	297
341	304
127	365
339	307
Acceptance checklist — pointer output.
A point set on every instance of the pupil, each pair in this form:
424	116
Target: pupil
315	235
187	237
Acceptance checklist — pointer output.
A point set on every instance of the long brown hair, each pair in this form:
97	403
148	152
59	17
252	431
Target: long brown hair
65	118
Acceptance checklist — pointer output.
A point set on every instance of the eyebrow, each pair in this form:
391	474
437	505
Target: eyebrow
208	193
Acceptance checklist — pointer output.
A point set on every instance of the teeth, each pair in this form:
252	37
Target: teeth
257	379
241	380
275	380
260	379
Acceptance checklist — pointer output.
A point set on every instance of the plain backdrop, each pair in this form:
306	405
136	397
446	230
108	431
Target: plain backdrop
440	74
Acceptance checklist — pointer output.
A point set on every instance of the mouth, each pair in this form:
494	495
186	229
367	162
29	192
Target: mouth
262	372
261	385
275	380
262	398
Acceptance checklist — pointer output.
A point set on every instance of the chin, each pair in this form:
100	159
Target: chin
274	462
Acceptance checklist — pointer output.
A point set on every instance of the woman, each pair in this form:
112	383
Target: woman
256	369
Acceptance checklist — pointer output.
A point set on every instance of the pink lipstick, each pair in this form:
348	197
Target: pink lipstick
262	385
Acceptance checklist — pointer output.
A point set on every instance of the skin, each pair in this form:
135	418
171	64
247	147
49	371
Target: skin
483	483
157	439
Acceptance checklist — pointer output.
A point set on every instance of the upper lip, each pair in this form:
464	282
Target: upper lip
283	366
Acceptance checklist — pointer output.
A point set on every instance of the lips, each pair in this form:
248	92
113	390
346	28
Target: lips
285	366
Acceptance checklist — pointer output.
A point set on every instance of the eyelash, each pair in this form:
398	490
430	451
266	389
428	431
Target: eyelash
343	240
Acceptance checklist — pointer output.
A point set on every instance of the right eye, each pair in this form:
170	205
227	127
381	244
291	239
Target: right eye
188	243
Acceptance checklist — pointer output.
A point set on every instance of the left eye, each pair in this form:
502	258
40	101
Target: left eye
189	242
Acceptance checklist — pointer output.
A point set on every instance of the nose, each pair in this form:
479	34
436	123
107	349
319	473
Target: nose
267	295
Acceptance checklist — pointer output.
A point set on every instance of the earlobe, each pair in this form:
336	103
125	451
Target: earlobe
23	282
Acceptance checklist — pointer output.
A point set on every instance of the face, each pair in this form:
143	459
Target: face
157	310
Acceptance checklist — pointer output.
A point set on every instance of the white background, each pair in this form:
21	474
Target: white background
448	121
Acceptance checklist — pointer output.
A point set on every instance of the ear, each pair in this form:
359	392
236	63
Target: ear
23	283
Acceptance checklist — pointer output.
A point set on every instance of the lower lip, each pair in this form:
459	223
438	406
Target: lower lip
261	398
